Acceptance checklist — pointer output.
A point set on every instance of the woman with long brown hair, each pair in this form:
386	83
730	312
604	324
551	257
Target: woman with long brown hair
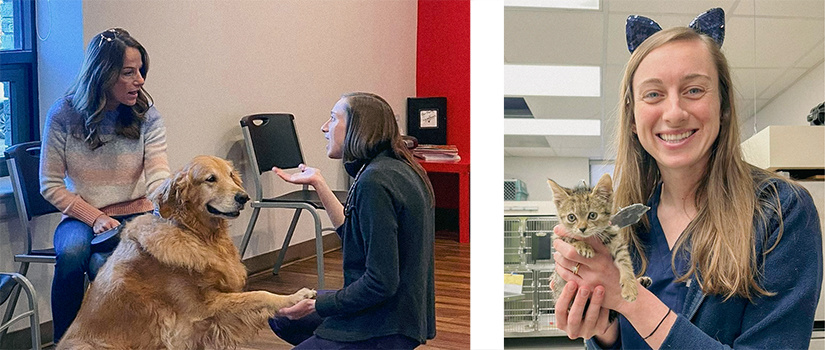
387	232
733	250
104	150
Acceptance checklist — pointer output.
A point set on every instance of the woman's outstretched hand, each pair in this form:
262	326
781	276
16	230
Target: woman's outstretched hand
307	175
299	310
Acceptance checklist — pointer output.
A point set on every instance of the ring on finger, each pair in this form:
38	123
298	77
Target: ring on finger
576	269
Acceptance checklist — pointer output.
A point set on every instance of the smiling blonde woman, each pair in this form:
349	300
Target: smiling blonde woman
723	241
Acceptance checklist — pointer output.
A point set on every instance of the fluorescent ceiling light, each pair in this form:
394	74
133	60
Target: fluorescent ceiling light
576	81
563	4
552	127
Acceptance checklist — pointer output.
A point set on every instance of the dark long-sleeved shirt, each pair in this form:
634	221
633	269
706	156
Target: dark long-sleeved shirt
389	283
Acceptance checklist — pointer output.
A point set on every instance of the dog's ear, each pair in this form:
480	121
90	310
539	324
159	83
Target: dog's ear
236	177
170	193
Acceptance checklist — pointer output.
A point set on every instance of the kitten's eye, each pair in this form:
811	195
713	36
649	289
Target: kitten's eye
571	217
592	216
211	178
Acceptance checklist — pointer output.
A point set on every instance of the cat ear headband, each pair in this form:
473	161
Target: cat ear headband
710	23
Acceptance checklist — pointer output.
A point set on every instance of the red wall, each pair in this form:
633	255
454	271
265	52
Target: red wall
443	63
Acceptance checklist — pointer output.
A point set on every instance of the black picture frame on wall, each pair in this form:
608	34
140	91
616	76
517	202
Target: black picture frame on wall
427	119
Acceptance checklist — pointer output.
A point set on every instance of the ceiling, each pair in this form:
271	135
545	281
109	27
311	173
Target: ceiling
770	44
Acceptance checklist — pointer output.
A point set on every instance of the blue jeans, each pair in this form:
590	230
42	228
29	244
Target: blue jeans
300	333
75	260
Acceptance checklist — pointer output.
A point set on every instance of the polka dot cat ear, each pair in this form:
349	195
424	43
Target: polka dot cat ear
710	23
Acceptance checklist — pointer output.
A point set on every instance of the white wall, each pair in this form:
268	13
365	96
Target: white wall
535	171
792	106
60	55
212	62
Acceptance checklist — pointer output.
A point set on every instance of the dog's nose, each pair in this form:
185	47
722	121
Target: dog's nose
241	197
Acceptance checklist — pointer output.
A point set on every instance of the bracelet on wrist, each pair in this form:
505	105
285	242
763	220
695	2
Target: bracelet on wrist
660	323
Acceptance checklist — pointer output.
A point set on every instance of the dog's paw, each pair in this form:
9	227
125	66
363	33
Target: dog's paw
306	293
629	291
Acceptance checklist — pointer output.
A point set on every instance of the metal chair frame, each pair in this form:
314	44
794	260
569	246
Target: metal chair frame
23	199
21	282
305	199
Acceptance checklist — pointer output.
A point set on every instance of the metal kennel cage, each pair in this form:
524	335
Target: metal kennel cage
528	240
528	252
533	315
514	243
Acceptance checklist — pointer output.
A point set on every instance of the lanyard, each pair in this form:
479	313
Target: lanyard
348	206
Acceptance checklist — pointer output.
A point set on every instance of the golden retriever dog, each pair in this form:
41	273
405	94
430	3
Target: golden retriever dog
176	281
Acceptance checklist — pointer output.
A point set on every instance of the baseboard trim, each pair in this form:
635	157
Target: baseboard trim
21	339
266	261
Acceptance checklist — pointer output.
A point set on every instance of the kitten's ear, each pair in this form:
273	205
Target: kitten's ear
603	188
559	193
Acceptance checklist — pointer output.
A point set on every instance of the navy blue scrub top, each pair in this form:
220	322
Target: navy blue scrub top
660	271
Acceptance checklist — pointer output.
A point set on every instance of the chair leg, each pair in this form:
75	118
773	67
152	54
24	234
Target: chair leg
287	239
319	249
10	307
34	318
12	302
249	228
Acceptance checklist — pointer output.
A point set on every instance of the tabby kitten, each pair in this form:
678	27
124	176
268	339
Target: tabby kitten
584	213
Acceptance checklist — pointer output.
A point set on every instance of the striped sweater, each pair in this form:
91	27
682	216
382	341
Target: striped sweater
113	179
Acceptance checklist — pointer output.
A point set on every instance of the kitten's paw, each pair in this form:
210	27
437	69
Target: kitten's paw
645	281
629	291
585	251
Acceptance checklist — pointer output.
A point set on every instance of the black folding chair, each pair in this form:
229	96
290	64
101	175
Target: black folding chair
23	161
270	141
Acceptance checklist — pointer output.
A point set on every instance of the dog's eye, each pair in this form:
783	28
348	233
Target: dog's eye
211	178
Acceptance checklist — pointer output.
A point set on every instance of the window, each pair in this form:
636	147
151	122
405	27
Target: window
19	120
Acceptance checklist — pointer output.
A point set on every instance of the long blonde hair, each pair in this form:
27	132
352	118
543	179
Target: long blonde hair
720	238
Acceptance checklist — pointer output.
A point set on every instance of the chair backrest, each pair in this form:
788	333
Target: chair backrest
273	141
24	167
6	286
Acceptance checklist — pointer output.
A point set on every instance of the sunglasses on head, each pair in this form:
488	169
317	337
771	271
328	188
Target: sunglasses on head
108	35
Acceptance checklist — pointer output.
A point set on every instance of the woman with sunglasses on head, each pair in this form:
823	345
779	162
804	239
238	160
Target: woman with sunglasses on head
104	150
733	251
387	232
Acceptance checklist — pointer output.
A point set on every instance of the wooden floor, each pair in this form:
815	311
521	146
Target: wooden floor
452	292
